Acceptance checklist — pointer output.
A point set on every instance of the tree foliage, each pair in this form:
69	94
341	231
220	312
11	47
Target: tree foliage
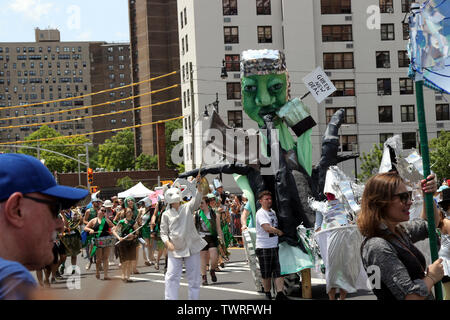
117	153
171	126
370	162
147	162
440	155
125	183
70	146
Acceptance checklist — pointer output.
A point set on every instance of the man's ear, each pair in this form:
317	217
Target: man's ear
13	213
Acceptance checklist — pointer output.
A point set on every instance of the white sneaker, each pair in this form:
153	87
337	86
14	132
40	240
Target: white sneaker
88	266
112	263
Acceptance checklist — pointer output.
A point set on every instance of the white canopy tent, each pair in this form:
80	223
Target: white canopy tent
137	191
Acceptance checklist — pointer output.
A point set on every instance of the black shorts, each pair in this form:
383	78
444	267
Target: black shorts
269	262
211	242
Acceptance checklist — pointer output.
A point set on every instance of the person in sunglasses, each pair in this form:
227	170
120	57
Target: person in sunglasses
388	252
30	202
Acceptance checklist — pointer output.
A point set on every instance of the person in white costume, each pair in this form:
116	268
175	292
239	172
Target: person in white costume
183	242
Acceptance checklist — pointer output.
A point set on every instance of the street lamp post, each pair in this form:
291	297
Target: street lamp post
79	173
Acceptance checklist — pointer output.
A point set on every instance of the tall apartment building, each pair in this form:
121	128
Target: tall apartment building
154	47
111	68
49	69
367	65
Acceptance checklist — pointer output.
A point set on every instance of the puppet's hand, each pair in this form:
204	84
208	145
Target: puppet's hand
297	116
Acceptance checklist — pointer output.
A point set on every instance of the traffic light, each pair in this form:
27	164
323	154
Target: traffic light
90	174
93	189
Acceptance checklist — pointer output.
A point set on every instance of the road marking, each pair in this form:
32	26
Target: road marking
205	287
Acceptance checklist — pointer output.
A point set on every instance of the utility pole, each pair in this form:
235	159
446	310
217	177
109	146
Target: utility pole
192	117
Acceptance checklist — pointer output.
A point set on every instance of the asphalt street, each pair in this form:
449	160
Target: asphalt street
235	282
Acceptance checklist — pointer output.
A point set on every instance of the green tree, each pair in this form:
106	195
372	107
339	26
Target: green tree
124	183
440	155
70	146
147	162
171	126
370	162
117	153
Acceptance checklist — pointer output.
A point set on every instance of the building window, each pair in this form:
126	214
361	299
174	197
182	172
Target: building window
405	31
383	59
235	119
232	62
384	114
406	5
181	19
384	87
349	143
187	47
386	6
337	33
349	115
231	34
385	136
265	34
343	60
408	140
403	59
263	7
407	112
233	90
442	112
344	88
335	6
229	7
406	86
387	31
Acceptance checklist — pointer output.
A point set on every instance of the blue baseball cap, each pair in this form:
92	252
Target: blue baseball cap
26	174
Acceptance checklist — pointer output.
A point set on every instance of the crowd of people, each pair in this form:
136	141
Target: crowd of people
196	232
114	229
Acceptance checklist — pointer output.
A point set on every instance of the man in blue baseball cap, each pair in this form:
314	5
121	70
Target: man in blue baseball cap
30	202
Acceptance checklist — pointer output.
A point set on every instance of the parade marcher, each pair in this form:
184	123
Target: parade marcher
30	202
71	238
155	231
208	226
111	215
444	252
90	214
183	242
389	237
267	235
145	214
123	231
130	202
99	228
236	209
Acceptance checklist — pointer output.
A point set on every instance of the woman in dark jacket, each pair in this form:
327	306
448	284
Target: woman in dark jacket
388	248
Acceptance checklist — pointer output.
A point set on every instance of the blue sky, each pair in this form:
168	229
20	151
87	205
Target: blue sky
77	20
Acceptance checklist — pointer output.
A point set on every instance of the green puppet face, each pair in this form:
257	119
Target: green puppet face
263	94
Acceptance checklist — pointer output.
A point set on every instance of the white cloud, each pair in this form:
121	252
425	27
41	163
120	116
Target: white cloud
31	9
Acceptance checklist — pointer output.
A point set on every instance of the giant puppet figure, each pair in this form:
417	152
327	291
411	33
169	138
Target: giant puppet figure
266	99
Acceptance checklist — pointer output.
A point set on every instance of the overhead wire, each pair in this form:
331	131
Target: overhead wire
91	116
91	106
92	93
92	133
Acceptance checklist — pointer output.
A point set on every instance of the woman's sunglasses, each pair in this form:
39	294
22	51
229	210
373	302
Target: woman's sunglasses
404	196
